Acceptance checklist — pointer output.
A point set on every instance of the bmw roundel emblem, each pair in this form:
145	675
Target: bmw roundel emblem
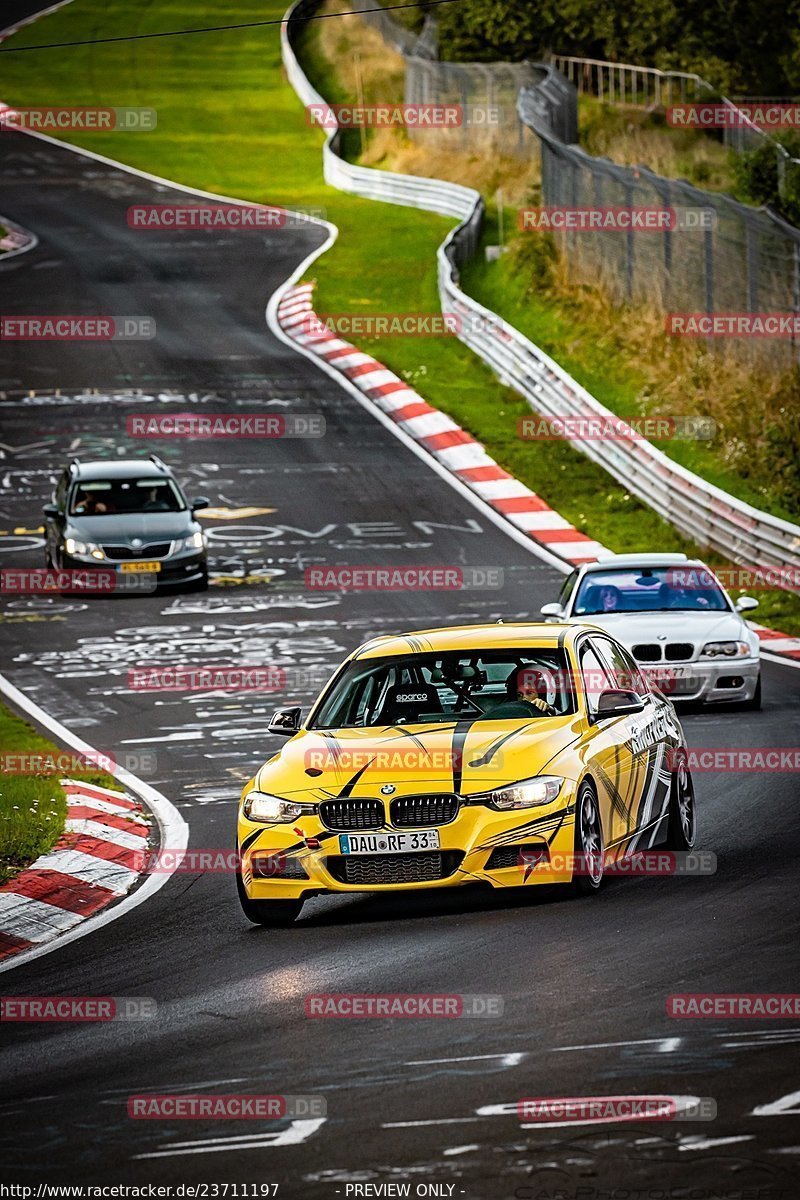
136	541
388	789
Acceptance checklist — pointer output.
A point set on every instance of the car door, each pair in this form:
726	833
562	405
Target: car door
644	748
607	757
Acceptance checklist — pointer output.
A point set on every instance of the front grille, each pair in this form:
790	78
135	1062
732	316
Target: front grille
525	854
408	811
370	870
125	553
647	652
352	814
676	651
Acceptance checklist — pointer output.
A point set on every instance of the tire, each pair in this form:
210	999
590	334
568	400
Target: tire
754	705
276	913
682	818
589	848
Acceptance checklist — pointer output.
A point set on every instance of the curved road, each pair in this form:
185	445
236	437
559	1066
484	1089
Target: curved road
584	982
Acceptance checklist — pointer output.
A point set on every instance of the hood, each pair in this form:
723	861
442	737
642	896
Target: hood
465	758
121	527
696	626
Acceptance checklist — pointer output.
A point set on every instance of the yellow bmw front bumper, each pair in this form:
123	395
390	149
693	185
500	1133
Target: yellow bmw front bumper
503	849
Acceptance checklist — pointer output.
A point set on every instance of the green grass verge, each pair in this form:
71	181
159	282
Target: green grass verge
33	808
229	122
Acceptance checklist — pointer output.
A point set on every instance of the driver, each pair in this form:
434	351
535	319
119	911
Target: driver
90	505
530	685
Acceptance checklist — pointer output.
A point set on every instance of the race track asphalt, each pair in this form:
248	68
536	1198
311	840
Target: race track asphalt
584	982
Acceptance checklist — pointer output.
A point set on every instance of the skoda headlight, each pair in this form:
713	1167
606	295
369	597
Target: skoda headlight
195	541
272	810
726	650
76	548
529	793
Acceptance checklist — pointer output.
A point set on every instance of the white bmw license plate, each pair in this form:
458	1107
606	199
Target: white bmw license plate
388	843
666	673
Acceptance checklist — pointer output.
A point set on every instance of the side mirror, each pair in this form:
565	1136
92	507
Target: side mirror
618	703
285	721
50	511
199	502
553	612
746	603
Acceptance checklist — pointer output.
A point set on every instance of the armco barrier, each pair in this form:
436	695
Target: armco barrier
703	512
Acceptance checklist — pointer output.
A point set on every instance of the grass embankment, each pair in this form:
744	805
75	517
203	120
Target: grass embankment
229	122
33	808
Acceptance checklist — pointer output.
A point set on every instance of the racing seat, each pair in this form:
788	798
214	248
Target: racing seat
404	704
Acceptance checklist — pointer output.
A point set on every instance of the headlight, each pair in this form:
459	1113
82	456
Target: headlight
529	793
260	806
83	549
726	650
195	541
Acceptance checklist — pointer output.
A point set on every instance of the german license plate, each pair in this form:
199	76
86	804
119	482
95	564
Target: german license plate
388	843
140	566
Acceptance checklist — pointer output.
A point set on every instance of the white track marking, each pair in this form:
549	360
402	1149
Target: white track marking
664	1045
297	1132
174	832
508	1060
706	1143
786	1106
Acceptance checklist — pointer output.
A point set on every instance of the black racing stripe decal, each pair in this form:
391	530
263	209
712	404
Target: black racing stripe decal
617	803
251	837
489	754
538	824
351	783
460	735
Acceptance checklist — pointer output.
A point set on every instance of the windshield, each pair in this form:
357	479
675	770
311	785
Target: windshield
650	589
97	497
430	689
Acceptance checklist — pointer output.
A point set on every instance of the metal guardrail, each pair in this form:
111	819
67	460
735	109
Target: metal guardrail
626	83
698	509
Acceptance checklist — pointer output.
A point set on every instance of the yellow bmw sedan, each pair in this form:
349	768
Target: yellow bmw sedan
509	755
